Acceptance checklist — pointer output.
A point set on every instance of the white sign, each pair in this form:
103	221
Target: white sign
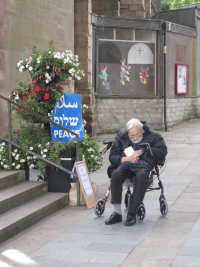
85	180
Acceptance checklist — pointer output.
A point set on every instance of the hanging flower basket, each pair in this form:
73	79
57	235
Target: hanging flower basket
50	72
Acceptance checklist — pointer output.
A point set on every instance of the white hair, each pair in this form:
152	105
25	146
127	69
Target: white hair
134	123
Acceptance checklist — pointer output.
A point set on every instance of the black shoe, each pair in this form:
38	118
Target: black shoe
114	218
130	220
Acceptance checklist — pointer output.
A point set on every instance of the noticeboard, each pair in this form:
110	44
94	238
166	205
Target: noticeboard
85	184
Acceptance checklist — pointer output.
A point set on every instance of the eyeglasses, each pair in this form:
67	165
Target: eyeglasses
135	135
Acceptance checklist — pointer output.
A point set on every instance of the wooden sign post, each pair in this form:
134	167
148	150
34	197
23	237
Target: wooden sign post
85	184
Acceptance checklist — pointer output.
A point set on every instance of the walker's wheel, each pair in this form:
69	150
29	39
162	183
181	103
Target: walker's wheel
127	200
141	212
99	208
163	206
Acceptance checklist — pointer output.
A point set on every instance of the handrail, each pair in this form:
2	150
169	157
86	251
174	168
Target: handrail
36	155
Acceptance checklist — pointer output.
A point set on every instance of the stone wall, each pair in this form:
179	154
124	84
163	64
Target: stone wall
134	8
106	7
83	48
181	109
23	24
114	113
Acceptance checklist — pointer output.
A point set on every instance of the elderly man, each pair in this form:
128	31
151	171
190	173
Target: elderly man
128	160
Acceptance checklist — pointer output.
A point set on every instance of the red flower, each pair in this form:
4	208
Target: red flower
46	96
29	85
31	95
63	88
67	82
24	97
47	90
37	89
19	110
28	103
58	86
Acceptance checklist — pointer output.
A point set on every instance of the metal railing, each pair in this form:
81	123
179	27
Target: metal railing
11	143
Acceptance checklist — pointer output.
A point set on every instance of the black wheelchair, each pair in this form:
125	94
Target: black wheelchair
129	185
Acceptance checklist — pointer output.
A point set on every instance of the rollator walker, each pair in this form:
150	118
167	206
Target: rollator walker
154	174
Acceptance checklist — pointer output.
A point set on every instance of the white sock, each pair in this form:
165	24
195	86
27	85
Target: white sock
117	208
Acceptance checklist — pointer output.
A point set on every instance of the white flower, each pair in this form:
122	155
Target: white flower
39	145
28	157
18	166
15	150
13	164
45	150
47	81
13	154
22	160
31	148
72	71
38	59
47	67
30	68
21	68
19	63
31	166
34	157
5	166
3	144
44	156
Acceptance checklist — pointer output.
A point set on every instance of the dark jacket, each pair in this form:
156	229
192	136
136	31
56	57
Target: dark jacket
154	139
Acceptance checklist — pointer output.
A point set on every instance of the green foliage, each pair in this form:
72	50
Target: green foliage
173	4
90	151
38	140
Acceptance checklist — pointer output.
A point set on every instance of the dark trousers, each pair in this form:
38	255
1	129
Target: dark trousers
139	172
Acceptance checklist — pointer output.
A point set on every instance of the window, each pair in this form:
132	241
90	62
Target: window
105	33
124	34
126	66
144	35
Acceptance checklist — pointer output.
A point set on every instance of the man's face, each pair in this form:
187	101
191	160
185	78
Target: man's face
135	134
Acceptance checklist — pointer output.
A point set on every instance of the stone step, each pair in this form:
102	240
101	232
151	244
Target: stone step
18	194
9	178
18	219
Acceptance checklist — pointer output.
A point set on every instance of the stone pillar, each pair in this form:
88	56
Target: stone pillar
83	48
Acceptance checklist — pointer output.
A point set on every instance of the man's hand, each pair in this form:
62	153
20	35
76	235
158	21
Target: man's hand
133	158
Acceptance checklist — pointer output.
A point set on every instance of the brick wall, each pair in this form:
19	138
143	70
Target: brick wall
24	23
114	113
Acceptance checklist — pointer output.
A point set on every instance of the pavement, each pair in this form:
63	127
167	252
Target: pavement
74	236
